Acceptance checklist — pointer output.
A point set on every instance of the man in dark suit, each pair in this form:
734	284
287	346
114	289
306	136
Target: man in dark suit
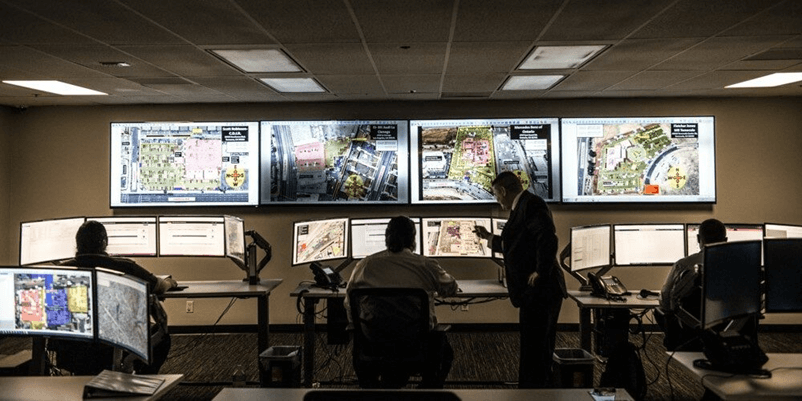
534	279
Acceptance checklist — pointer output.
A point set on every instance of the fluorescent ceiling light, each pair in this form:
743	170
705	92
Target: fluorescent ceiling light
295	85
557	57
769	81
259	60
531	82
57	87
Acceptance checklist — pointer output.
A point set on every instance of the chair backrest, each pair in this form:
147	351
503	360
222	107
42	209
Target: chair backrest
390	323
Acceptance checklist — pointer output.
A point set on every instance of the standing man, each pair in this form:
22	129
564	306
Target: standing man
399	267
534	279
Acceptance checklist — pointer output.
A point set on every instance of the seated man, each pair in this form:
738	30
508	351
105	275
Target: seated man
682	289
399	267
89	359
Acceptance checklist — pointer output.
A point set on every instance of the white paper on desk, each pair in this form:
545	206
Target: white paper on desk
602	396
114	384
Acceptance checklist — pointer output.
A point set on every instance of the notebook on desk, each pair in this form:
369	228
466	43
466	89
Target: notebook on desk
115	384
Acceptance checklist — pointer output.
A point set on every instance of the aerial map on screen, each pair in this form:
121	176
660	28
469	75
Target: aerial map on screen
458	159
661	158
161	164
320	240
448	236
334	161
123	312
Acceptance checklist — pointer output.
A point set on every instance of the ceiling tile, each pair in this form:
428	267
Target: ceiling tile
591	80
48	67
600	20
518	94
760	65
502	20
303	21
412	83
694	18
652	80
485	57
332	59
105	21
419	58
239	87
718	51
638	54
22	27
473	83
717	80
213	22
398	21
183	60
91	56
352	84
783	19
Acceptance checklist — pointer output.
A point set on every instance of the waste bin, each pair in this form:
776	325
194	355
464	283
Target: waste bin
280	366
573	368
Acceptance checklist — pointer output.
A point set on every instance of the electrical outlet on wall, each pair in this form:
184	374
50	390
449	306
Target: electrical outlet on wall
190	306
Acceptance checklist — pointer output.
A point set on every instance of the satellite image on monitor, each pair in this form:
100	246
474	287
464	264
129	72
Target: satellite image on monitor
58	302
454	237
329	161
122	312
638	159
320	240
459	162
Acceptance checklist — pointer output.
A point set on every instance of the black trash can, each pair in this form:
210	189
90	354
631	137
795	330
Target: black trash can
280	366
573	368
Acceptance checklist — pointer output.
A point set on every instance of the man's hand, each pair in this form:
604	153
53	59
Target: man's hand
532	278
482	232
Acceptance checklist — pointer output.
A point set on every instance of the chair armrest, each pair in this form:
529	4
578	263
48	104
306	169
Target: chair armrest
442	327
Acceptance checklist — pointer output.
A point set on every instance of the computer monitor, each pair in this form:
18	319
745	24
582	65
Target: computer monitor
130	236
319	240
454	237
335	162
783	274
782	231
454	161
730	282
648	244
192	236
235	238
123	319
735	232
48	240
47	301
590	247
638	159
498	227
367	236
174	163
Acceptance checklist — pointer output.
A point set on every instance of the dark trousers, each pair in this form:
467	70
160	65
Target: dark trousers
433	370
538	323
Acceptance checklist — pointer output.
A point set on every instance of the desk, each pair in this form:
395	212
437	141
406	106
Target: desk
784	384
295	394
67	388
587	302
312	295
238	289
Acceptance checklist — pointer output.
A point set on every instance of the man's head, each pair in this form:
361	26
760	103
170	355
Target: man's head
711	231
506	187
91	238
400	234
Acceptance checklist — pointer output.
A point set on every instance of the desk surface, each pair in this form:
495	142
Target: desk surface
470	289
225	288
66	388
785	381
295	394
585	300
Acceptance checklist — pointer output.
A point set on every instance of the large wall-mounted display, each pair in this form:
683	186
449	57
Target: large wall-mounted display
454	161
648	159
184	164
342	162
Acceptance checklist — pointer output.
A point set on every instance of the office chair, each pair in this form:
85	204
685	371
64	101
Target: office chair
391	335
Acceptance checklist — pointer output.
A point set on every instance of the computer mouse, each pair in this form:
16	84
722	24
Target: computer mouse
644	293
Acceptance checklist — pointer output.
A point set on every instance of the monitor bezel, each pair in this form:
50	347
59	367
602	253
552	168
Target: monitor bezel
222	254
703	318
72	255
294	240
416	179
402	158
652	264
639	199
254	167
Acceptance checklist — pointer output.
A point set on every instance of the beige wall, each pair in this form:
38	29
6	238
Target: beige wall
5	184
59	161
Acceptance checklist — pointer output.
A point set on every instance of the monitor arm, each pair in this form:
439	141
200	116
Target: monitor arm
252	267
565	263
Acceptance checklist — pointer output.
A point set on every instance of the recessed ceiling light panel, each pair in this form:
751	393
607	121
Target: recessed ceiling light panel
294	85
57	87
559	57
531	82
769	81
259	60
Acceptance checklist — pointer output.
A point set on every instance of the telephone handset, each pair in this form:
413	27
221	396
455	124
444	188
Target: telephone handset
607	286
325	276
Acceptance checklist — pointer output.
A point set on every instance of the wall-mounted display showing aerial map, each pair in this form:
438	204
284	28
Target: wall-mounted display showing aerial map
455	161
338	162
649	159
